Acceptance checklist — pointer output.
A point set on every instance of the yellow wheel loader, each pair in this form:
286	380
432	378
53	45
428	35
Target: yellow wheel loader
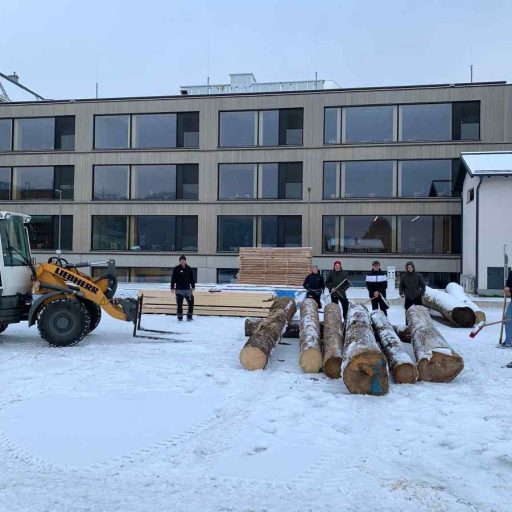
65	303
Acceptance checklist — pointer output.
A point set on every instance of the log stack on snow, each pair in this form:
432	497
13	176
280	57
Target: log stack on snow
364	368
292	328
437	361
453	309
458	292
402	367
333	341
310	349
256	352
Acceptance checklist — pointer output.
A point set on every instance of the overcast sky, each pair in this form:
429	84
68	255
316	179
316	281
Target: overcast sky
151	47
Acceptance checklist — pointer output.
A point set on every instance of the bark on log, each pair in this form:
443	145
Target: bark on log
458	292
403	332
256	352
364	366
333	341
292	329
455	311
310	350
437	361
402	367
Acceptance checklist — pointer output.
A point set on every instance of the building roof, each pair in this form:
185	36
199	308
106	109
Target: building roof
489	163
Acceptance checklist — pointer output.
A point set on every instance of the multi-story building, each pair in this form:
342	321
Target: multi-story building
357	174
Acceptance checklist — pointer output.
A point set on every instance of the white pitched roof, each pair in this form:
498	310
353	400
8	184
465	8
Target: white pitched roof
497	163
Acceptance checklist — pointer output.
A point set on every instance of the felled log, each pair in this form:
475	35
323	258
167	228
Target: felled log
402	367
287	304
403	332
292	328
333	341
436	360
454	310
458	292
256	352
310	350
364	368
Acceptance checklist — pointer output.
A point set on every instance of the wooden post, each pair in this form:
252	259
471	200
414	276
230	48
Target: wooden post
310	350
454	310
364	367
437	361
402	367
333	341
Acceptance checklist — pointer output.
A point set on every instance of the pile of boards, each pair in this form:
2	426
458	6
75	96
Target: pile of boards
218	303
363	351
274	265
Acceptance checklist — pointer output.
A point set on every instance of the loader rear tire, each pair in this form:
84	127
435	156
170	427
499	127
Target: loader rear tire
94	314
63	322
3	326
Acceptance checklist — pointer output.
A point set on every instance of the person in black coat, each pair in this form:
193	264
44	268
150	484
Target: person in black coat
377	284
183	280
314	284
412	286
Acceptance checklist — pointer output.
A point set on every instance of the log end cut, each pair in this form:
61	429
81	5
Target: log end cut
332	367
441	367
253	358
405	373
311	360
366	373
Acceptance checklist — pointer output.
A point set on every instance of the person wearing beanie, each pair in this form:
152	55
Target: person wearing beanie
412	286
338	291
314	284
377	284
183	280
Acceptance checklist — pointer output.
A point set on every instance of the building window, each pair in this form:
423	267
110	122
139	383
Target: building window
44	232
428	122
471	195
368	124
150	274
5	183
5	134
261	128
166	182
227	275
262	181
29	183
44	133
122	273
234	232
373	178
332	126
466	120
426	178
157	233
138	131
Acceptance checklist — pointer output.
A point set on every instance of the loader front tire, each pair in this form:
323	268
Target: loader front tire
94	314
63	322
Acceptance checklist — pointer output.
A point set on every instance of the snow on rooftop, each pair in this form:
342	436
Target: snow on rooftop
488	163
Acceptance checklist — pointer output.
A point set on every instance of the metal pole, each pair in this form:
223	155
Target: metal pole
60	220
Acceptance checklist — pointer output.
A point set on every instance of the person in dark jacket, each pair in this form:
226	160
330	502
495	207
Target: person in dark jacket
377	284
314	284
183	280
508	314
412	286
338	293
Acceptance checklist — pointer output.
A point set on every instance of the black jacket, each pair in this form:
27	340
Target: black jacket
334	279
412	285
377	281
509	281
314	282
182	278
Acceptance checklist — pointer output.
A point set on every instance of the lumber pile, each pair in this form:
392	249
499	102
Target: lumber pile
333	341
310	359
437	361
274	265
256	351
223	303
454	310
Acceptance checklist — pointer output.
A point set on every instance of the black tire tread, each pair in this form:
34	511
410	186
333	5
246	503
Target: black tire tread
94	314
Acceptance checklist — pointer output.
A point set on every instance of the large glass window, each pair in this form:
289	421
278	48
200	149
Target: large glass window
5	183
331	181
188	130
154	182
368	124
238	129
112	132
280	231
154	131
466	120
65	133
5	134
111	182
234	232
33	183
16	251
426	178
64	180
227	275
369	178
269	128
332	126
109	233
237	181
34	134
151	274
187	182
44	232
155	233
290	127
426	122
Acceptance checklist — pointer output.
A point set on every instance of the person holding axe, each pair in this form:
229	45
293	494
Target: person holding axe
377	284
337	283
314	284
508	314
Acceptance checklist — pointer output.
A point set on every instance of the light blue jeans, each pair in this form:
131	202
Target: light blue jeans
508	325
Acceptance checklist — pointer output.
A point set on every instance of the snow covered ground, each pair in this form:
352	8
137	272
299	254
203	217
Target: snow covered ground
121	424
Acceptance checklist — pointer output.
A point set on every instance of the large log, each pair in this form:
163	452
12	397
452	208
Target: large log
287	304
403	332
310	350
437	361
333	341
402	367
454	310
364	368
292	328
458	292
256	352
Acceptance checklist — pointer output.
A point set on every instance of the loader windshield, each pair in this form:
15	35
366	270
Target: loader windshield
15	247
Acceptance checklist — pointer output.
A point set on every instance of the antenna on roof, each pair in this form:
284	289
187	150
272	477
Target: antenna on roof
471	65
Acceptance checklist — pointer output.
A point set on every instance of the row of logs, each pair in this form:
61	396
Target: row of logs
361	351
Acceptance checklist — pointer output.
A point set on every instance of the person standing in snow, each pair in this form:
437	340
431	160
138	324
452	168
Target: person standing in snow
412	286
377	284
314	284
183	279
508	314
336	276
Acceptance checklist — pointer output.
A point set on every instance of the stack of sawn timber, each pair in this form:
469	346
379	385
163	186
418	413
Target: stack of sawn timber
223	303
274	265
